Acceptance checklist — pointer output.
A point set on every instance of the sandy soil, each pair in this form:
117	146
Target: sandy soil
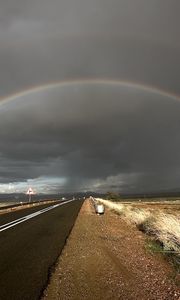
105	258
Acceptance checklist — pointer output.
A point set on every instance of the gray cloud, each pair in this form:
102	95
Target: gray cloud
89	134
93	135
43	41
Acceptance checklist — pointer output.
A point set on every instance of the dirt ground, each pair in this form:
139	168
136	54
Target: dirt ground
106	258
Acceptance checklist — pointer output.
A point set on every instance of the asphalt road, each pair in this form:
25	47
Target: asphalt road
30	242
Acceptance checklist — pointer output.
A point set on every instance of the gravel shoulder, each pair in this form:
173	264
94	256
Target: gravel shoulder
105	258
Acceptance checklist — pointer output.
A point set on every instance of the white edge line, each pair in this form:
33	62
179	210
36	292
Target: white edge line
25	218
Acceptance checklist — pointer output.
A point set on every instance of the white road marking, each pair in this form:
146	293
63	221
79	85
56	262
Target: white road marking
33	215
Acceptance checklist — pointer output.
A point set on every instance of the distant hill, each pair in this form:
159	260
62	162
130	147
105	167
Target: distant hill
21	197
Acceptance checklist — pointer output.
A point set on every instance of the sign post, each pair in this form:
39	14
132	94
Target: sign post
30	192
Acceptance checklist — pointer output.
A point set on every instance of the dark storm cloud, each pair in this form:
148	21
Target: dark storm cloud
92	136
42	41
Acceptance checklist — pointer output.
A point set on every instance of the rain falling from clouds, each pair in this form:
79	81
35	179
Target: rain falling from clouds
106	113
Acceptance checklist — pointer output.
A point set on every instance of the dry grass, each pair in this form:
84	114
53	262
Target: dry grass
165	227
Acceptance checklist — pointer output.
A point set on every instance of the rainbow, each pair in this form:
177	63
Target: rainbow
80	82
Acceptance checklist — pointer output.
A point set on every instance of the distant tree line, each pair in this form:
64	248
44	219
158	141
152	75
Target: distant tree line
113	196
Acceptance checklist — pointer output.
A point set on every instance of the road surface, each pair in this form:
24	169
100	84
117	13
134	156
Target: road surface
30	242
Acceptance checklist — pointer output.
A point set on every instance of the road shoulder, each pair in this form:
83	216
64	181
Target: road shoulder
105	258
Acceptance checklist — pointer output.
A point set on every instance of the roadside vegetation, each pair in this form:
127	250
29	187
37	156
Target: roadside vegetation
163	226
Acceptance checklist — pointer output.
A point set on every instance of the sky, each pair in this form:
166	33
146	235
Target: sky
89	95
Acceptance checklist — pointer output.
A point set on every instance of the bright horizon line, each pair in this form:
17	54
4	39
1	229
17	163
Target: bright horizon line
64	83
